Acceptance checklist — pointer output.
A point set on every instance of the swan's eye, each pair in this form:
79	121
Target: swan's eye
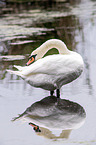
31	59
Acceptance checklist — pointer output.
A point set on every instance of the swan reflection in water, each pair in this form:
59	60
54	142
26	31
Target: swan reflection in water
48	114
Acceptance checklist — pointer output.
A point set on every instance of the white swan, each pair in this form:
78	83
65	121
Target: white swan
53	71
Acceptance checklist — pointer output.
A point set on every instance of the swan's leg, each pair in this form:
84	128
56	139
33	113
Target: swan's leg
51	93
58	95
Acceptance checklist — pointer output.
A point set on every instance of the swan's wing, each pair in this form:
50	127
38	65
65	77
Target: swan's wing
51	65
54	65
47	65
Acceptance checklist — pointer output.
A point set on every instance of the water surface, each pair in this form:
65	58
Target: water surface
24	31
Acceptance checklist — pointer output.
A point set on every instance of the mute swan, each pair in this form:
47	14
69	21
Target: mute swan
47	113
52	71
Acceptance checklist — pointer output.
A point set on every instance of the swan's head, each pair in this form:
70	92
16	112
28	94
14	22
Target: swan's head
35	55
31	59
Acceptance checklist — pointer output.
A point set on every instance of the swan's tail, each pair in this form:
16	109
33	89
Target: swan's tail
20	68
15	72
19	72
19	117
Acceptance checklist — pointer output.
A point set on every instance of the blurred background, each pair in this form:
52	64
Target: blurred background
24	26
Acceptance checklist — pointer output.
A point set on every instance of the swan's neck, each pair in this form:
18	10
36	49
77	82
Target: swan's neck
52	43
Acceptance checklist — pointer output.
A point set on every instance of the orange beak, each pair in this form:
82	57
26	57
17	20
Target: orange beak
30	61
33	125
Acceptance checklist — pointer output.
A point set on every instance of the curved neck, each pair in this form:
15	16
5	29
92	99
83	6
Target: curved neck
52	43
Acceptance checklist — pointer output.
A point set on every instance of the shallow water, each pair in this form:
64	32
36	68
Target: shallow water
22	32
